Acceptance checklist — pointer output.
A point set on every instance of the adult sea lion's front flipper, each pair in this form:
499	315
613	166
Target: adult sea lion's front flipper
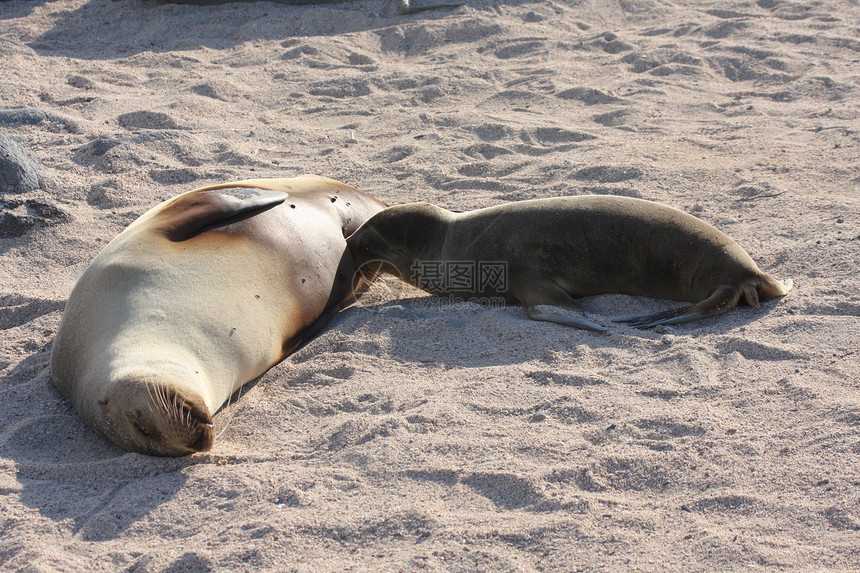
193	213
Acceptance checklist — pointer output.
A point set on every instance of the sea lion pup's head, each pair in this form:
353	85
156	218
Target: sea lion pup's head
156	414
393	240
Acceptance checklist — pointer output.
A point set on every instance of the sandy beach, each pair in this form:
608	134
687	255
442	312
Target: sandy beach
416	435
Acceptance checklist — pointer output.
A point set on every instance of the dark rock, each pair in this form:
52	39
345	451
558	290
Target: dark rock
18	169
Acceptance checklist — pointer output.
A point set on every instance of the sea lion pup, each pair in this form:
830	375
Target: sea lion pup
198	296
551	251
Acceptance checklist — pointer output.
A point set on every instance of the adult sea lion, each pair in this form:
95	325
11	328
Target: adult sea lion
198	296
552	251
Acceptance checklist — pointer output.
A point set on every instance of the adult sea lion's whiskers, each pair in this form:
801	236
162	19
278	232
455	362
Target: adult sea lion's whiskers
238	394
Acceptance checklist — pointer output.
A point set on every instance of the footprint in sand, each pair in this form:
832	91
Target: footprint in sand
521	48
146	120
18	216
607	173
16	310
588	96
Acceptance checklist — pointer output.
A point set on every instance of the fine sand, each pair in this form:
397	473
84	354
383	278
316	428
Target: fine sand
420	436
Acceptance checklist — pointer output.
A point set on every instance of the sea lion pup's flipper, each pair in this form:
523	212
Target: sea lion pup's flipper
724	298
406	7
769	287
193	213
552	295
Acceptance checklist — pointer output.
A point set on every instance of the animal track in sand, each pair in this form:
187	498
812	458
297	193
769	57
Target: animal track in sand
665	429
19	216
842	520
547	378
146	120
611	119
505	490
414	39
16	310
607	173
397	153
666	58
491	131
739	504
127	152
362	430
521	48
487	169
752	350
340	88
554	135
486	151
611	44
588	96
543	140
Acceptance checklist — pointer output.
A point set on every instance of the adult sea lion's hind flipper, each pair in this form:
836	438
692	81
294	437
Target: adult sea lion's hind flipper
193	213
723	299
